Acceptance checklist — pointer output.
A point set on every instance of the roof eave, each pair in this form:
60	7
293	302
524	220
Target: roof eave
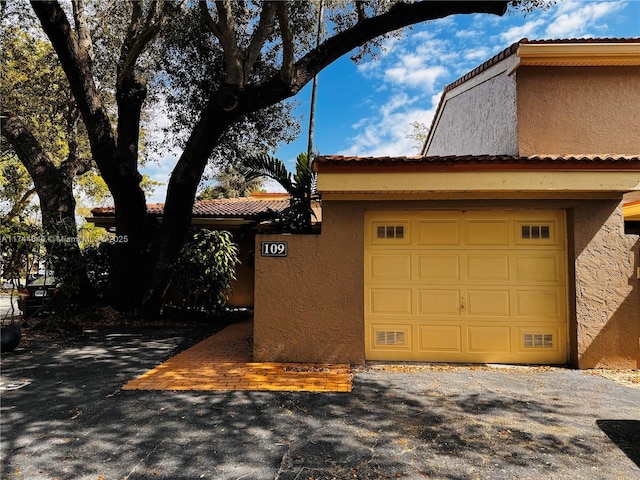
579	54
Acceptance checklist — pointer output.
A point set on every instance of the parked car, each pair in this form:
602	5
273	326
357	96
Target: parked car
37	296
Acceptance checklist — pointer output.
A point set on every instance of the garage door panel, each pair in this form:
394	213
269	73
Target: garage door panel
534	267
437	302
485	267
438	267
387	267
466	286
488	303
487	232
440	338
438	232
489	339
539	303
389	301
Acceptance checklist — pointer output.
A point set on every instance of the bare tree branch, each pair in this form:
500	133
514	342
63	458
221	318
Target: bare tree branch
125	64
360	10
20	205
225	30
287	70
76	63
208	21
33	155
27	147
140	34
155	9
82	29
260	35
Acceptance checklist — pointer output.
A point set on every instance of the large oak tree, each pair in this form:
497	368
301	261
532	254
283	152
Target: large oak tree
267	54
43	130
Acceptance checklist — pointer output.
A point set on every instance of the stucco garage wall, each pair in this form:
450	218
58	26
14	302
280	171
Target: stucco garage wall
242	287
578	110
607	290
309	307
481	120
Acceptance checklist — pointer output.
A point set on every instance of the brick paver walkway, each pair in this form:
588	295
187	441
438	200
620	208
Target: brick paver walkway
223	362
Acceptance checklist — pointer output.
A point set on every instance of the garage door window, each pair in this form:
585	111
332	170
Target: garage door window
532	232
390	231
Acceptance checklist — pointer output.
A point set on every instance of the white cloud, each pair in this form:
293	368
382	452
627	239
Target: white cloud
415	62
575	19
516	33
386	134
478	54
396	102
369	69
436	49
466	34
424	77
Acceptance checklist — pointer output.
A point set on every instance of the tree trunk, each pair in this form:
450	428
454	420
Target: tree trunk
181	194
117	158
129	277
54	187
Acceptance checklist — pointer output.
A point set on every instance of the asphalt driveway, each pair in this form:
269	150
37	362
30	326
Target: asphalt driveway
64	416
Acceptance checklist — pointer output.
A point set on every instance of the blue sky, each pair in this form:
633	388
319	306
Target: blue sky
368	108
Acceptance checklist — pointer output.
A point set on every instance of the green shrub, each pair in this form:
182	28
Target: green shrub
205	269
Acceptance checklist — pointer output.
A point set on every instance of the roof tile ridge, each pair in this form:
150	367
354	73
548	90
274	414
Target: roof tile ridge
500	56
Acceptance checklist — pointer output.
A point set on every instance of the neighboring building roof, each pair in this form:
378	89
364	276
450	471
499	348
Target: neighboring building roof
232	207
474	162
218	213
245	207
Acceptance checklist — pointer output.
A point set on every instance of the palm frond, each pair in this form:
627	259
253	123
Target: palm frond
267	166
300	186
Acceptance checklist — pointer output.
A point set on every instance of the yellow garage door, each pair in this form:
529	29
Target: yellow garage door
466	286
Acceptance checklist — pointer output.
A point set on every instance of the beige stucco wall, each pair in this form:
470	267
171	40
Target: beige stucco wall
242	288
309	307
578	110
480	120
607	291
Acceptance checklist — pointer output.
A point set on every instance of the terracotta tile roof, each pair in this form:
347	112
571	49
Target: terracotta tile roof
477	162
510	50
248	207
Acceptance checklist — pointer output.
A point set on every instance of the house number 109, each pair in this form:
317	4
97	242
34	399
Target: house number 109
274	249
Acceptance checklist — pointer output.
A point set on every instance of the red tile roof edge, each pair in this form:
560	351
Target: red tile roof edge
245	207
513	48
486	162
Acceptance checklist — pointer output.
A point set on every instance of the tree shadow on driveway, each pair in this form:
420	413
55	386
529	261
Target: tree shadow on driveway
70	420
625	434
